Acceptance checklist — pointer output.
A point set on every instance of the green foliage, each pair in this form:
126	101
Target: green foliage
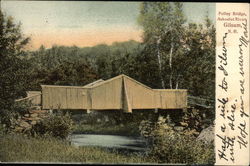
169	146
8	119
146	128
3	129
199	60
118	58
61	65
56	125
13	71
114	123
54	67
184	54
12	64
173	148
9	116
22	107
163	25
196	119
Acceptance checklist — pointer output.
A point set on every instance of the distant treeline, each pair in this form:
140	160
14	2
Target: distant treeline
62	65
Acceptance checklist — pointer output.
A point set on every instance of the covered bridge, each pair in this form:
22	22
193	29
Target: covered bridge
121	92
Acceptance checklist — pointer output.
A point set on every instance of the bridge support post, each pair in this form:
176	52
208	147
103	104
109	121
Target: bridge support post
50	111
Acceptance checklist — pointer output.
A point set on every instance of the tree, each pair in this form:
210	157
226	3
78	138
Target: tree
184	53
13	69
12	63
59	66
199	60
163	25
73	73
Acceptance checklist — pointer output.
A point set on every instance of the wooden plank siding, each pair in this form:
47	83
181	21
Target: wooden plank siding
171	98
140	97
107	95
34	97
64	97
121	92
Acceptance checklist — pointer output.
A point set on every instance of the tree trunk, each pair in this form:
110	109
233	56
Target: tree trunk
177	82
170	81
170	64
170	55
160	62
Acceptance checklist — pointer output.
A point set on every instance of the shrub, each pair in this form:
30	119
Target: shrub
197	119
9	117
57	125
169	146
2	129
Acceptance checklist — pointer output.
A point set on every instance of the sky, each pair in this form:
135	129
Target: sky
86	23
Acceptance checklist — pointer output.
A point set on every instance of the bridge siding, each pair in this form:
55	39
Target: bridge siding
35	97
64	97
107	95
120	92
139	96
172	99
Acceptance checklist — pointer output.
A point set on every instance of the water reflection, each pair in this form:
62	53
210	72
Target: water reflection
109	141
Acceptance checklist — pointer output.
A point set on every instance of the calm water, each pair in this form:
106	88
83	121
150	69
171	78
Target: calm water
109	141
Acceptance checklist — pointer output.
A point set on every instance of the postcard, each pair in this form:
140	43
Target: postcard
119	82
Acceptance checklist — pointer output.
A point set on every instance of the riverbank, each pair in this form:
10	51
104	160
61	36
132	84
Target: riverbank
19	148
111	123
129	129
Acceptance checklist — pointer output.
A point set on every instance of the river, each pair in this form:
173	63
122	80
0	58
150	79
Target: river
109	141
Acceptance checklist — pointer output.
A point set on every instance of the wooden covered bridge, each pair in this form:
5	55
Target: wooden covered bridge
118	93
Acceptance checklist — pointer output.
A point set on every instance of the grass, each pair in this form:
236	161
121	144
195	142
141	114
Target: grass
130	129
19	148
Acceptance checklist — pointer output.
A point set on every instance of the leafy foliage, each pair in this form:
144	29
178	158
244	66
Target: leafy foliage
196	119
56	125
13	69
169	146
184	53
12	64
9	116
163	25
199	60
